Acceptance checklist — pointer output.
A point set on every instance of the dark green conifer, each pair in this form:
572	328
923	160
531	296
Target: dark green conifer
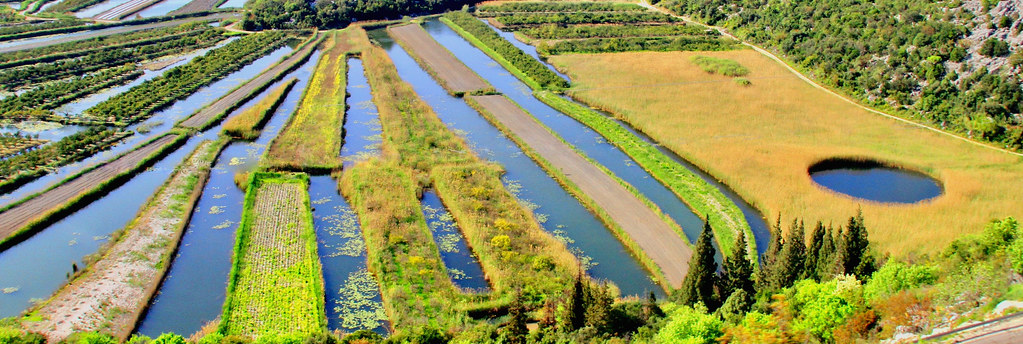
516	331
576	307
855	249
766	280
737	271
793	256
698	285
813	252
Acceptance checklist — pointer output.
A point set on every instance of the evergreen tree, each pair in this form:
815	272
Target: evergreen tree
698	286
855	249
765	275
651	309
827	258
793	256
516	331
813	252
576	307
737	271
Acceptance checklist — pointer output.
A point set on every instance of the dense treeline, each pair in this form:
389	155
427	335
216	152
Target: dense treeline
609	45
142	100
83	47
509	7
586	18
105	58
903	54
21	168
16	143
527	64
36	102
330	14
46	25
555	31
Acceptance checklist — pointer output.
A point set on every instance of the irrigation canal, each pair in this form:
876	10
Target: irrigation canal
81	233
559	213
590	142
194	289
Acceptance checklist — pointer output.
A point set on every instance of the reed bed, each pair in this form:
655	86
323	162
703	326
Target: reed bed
761	139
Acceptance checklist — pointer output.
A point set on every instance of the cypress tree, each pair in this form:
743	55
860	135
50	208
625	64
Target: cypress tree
598	308
813	253
828	259
737	270
576	307
768	263
793	256
698	285
855	249
516	328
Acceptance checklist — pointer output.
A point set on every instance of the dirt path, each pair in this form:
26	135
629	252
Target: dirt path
118	287
813	83
456	77
207	114
45	204
114	31
660	242
125	9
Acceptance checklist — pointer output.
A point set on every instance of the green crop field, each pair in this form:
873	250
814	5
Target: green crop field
276	286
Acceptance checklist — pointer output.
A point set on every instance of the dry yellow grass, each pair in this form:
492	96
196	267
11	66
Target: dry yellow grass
761	138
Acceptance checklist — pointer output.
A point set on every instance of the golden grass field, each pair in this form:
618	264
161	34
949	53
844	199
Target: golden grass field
760	139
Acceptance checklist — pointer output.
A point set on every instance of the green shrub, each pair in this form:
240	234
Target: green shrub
716	65
822	307
689	326
897	276
362	337
169	338
742	81
89	338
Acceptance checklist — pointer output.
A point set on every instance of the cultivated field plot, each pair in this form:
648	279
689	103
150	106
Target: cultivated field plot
211	113
44	205
276	285
112	31
560	28
11	144
761	138
312	138
458	78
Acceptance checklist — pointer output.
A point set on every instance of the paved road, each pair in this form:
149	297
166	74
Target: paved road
46	203
241	94
111	31
655	237
452	73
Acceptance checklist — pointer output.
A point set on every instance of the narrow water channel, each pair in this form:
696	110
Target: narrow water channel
93	10
528	49
70	239
160	9
195	286
602	254
352	294
592	143
158	124
463	267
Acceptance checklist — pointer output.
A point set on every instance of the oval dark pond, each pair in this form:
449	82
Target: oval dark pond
874	180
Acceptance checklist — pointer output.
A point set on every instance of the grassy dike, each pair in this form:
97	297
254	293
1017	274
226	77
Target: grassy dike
141	251
275	288
246	125
417	151
311	140
703	198
725	217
